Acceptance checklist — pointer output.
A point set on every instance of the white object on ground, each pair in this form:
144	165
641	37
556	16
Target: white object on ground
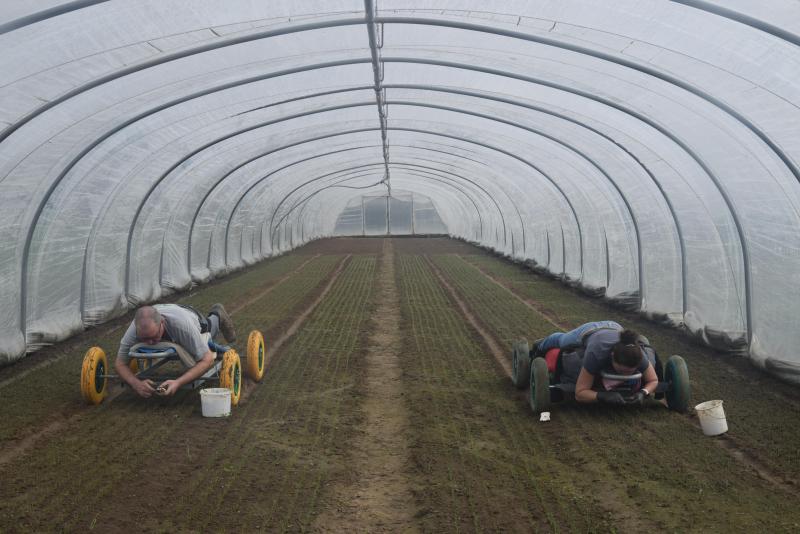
544	416
712	417
215	402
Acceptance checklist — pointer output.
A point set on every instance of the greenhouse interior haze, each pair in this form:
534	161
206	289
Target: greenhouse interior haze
646	151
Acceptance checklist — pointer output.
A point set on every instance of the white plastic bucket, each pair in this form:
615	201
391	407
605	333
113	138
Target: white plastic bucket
215	402
712	417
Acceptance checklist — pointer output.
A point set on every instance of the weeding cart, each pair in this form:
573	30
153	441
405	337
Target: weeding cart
150	361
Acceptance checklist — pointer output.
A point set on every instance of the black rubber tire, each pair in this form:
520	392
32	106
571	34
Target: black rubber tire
520	364
540	386
676	375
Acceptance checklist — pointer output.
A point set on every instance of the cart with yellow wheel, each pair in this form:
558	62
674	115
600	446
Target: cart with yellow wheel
156	362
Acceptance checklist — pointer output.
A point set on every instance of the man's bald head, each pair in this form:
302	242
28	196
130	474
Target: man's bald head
148	324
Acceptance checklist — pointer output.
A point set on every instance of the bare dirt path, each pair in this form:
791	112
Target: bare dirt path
381	499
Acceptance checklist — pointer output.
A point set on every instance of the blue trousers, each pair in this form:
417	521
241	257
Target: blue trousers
573	337
213	325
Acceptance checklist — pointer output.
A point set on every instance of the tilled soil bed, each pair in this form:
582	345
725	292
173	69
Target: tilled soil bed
448	445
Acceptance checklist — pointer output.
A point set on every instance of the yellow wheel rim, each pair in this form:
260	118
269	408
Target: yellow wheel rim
256	356
93	381
230	375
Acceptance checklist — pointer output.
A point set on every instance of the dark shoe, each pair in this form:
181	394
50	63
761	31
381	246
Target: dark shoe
225	322
535	352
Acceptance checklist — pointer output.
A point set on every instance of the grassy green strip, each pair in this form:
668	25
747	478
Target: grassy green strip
481	467
600	440
293	433
23	401
64	481
762	412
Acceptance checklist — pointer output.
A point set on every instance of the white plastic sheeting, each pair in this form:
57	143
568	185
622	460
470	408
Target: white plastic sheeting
646	150
403	213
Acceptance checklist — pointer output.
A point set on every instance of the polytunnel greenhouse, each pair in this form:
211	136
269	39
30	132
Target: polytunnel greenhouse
393	196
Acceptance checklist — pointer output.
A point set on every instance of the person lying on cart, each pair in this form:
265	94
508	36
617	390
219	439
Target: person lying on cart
609	348
178	324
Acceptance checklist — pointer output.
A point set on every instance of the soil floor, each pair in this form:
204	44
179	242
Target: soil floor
387	406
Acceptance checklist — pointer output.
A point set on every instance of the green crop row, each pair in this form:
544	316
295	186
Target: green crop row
292	434
667	461
53	390
508	318
749	396
482	466
241	285
69	479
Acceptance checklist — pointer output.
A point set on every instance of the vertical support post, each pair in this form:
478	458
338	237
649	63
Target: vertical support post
412	214
388	216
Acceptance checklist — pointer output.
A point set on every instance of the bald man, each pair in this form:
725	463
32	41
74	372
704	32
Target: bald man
178	324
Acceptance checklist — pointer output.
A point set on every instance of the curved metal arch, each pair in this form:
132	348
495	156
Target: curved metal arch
664	131
504	152
612	104
236	168
45	14
741	18
414	21
338	185
670	206
431	176
644	69
286	197
304	200
222	87
407	86
273	227
567	118
362	174
490	147
167	58
204	147
312	157
247	129
260	182
457	188
571	149
249	160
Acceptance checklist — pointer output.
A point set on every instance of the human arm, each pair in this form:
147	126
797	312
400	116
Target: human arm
143	388
650	380
585	393
169	387
583	387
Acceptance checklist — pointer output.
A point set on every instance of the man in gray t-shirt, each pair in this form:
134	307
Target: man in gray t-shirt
177	324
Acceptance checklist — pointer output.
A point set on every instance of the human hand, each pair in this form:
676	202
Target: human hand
168	387
144	388
637	398
610	397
